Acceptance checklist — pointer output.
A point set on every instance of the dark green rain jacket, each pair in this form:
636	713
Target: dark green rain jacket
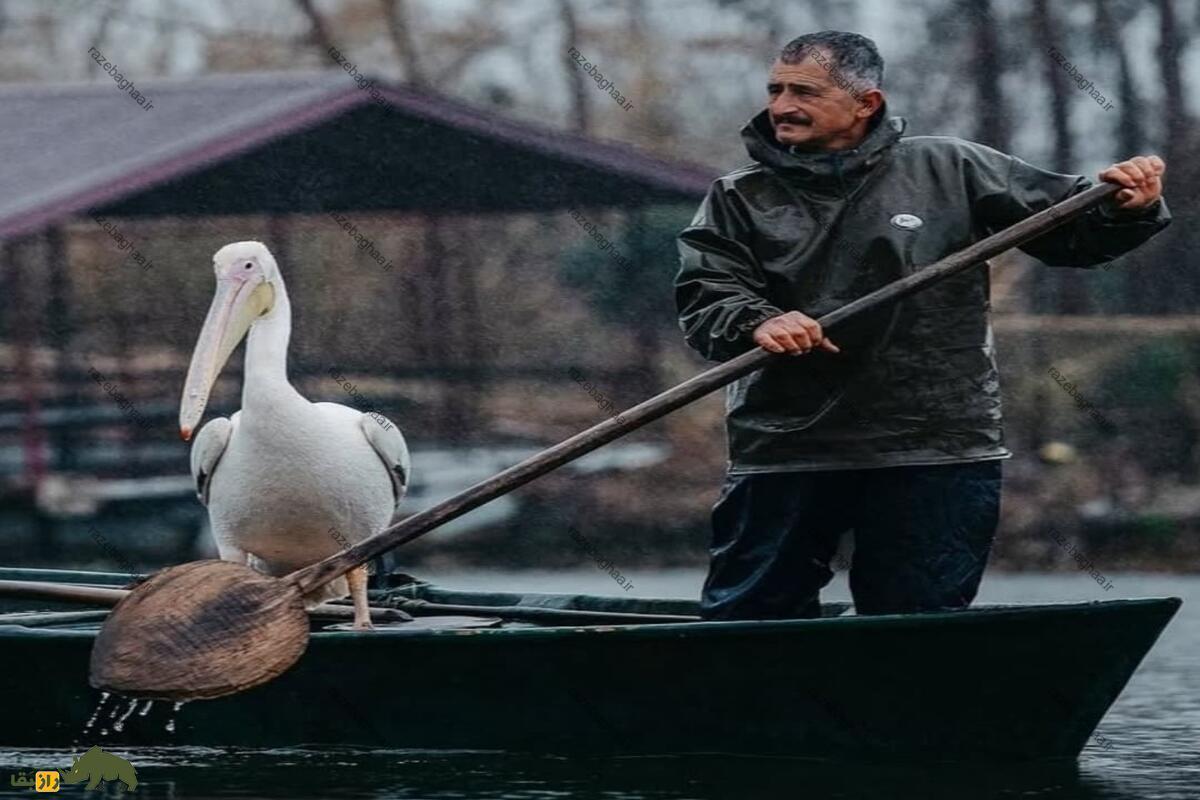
915	383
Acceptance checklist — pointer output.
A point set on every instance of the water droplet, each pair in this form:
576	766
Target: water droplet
99	707
146	709
174	710
119	725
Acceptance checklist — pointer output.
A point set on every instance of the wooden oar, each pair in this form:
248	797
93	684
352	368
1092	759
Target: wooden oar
212	628
64	592
550	616
111	596
397	611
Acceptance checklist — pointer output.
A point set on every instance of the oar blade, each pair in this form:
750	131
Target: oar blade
200	630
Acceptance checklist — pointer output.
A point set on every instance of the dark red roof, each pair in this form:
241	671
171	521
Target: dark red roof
299	142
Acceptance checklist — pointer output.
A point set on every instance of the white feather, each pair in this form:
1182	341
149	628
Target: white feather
288	482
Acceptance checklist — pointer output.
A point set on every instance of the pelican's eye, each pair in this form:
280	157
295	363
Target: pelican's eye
249	265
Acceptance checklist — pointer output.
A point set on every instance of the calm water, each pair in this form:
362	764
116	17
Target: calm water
1153	730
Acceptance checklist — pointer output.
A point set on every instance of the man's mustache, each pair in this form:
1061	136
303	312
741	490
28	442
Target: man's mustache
791	119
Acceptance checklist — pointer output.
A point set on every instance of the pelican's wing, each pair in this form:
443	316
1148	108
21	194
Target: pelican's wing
206	452
385	437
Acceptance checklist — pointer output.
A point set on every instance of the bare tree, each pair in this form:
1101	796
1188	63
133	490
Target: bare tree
578	113
318	30
987	69
1067	293
101	31
475	38
400	29
1130	133
1045	31
1170	49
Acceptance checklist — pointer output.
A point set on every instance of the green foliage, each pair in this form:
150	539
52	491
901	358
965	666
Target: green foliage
630	283
1155	531
1146	394
1151	376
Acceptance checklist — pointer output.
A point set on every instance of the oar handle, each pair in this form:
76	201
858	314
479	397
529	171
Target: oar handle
66	592
322	572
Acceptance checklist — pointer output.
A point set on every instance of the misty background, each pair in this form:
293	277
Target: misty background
499	332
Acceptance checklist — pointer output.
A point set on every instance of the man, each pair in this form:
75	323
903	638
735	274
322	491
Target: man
893	432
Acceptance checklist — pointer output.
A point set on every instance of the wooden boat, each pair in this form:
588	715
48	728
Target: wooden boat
1002	683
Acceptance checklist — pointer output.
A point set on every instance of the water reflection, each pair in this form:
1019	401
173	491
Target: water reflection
337	773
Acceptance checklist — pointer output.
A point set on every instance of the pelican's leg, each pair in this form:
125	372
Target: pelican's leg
357	578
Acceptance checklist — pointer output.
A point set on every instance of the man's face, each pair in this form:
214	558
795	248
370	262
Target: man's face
809	110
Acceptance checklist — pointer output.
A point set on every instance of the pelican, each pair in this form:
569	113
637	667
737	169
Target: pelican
286	482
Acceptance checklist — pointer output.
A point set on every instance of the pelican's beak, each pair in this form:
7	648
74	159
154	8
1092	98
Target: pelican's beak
234	309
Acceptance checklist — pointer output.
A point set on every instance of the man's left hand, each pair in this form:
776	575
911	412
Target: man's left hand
1142	179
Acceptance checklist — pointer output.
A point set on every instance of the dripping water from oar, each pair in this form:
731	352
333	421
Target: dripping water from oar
114	710
87	727
170	726
119	725
115	718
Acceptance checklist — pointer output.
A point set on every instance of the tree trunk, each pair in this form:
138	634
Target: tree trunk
318	30
1067	294
400	29
1131	133
1046	32
1170	49
579	115
987	69
1163	294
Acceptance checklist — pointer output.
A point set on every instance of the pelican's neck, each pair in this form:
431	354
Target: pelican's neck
265	380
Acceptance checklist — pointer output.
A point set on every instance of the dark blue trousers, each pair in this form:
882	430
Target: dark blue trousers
921	539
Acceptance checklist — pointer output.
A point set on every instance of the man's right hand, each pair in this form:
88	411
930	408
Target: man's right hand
792	333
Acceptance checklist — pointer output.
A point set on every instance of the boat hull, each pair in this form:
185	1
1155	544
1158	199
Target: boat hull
1009	684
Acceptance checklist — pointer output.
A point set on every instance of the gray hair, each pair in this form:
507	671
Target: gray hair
855	59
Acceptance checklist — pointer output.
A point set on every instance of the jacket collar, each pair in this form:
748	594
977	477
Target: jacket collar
822	167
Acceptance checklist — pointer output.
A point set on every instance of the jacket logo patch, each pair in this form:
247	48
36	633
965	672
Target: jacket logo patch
907	222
